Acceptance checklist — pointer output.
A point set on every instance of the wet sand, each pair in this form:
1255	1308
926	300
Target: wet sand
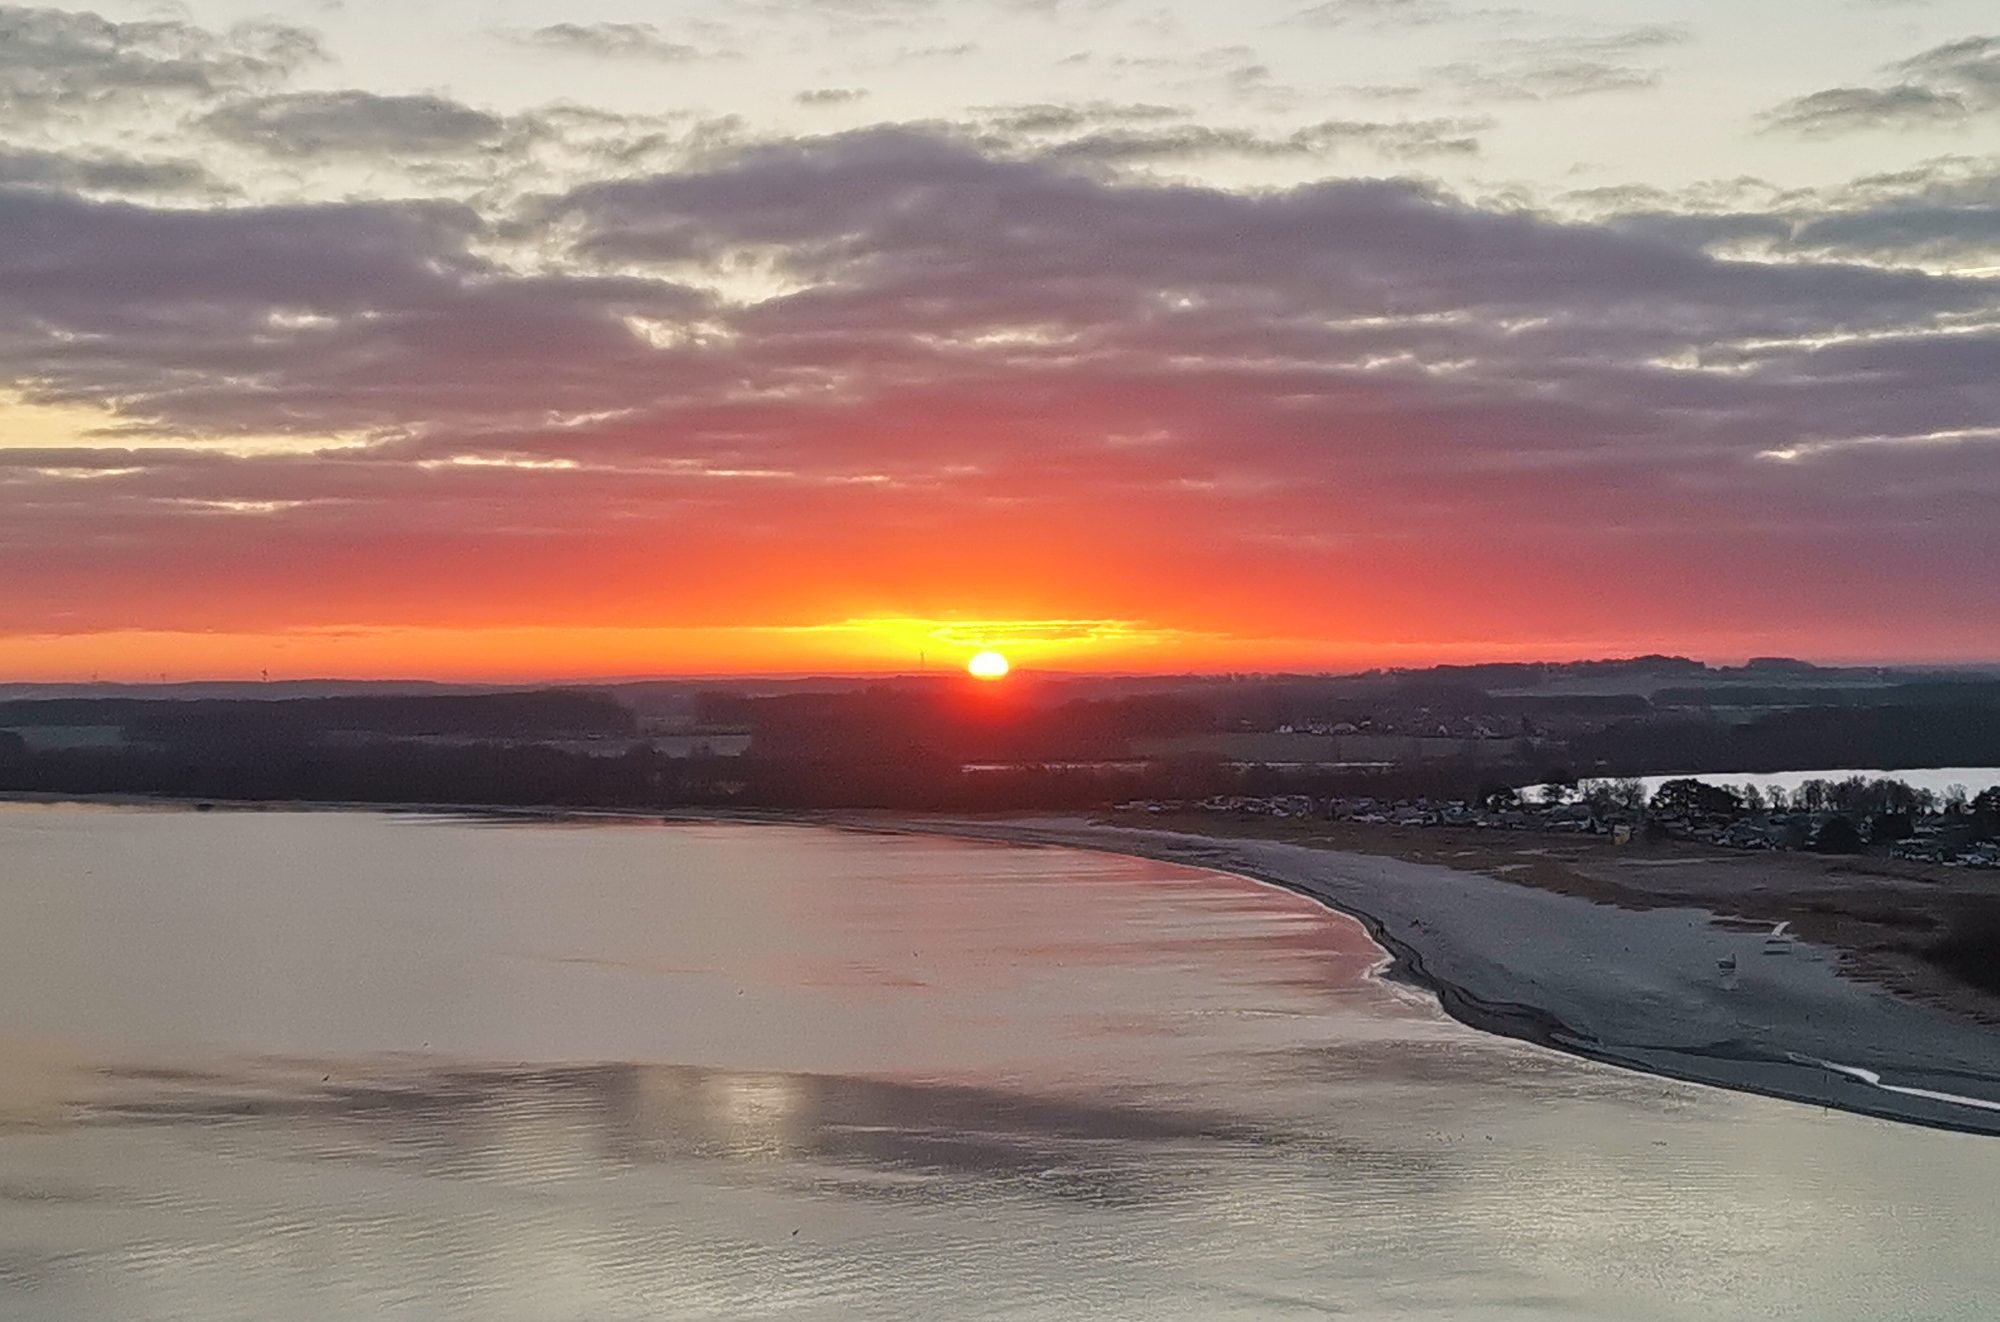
1641	987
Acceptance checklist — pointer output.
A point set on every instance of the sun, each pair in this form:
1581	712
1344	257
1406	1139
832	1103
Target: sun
988	665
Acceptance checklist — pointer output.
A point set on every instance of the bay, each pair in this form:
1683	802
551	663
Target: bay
289	1065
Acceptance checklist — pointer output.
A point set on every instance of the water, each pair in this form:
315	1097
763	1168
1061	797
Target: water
283	1066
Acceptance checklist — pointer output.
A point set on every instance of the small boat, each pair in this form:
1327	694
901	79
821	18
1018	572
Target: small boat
1779	942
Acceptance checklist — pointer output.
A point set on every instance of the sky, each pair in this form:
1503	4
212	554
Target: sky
509	339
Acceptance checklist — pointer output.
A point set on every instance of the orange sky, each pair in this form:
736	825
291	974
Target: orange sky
529	574
1243	374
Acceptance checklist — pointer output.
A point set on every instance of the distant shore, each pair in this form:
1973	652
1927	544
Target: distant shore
1642	988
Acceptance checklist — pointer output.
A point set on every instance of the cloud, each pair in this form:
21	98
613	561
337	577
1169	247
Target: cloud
630	41
1399	140
304	124
104	172
1059	117
1848	109
302	320
831	96
1124	133
792	370
56	61
1548	81
1952	84
1972	63
1566	65
1376	13
1942	214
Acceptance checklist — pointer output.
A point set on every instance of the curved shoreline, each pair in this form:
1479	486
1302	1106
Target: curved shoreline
1801	1034
1632	989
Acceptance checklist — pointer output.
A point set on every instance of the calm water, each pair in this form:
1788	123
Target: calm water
285	1066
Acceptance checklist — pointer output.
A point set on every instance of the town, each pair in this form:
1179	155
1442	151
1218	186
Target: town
1856	816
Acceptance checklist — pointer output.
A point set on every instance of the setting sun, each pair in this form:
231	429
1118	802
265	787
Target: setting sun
988	665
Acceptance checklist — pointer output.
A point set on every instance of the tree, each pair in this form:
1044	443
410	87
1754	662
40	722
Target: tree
1957	800
1558	786
1986	811
1606	797
1695	798
1888	827
1838	835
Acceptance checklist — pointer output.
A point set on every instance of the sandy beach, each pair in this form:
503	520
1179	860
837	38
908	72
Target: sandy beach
1643	987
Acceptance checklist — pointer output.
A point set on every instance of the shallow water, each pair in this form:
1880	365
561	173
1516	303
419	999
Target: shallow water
303	1066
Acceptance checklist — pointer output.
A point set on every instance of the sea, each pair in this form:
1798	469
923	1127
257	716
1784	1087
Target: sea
283	1065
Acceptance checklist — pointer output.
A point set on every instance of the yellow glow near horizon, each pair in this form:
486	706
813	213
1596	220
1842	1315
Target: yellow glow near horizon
531	654
988	665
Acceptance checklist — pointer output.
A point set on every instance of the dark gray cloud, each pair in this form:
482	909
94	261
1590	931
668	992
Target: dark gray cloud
104	172
1944	213
58	60
305	318
1947	212
1955	83
301	124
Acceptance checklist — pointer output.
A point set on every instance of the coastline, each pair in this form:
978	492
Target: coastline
1639	989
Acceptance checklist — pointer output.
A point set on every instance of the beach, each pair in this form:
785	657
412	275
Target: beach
1645	987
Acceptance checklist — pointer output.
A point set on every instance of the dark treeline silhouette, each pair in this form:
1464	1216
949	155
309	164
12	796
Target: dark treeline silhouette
385	772
1922	693
539	714
1915	735
1035	742
911	777
1531	674
958	722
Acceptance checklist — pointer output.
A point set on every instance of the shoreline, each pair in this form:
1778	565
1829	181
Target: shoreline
1639	989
